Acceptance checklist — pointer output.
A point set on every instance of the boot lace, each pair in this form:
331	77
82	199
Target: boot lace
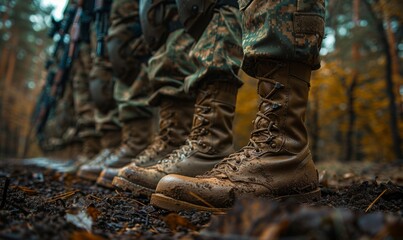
161	141
198	130
260	136
178	154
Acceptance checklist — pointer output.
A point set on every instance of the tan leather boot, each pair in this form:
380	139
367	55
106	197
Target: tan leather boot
209	142
174	128
136	135
275	164
90	148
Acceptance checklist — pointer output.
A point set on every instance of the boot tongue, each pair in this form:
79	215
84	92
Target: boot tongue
263	89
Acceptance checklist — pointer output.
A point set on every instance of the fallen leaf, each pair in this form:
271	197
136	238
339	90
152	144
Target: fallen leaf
173	221
80	218
84	235
93	212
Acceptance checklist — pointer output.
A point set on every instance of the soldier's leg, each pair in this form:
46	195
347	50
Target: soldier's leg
61	136
217	55
84	107
281	42
127	52
167	70
106	114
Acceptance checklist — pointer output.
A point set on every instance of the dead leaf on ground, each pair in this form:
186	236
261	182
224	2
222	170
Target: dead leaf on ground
80	218
84	235
173	221
93	212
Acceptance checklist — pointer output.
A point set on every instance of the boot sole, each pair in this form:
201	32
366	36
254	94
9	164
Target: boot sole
105	182
88	176
136	190
172	204
168	203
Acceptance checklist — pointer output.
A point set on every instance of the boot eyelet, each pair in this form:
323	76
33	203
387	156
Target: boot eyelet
273	145
278	85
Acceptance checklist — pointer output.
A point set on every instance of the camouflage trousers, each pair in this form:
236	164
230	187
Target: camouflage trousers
101	86
61	128
218	52
133	99
169	67
83	104
128	54
181	64
290	30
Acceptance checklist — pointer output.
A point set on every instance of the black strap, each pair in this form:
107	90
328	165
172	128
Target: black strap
233	3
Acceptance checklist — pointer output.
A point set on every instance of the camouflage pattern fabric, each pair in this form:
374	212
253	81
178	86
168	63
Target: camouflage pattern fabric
84	106
107	121
133	99
60	129
290	30
129	57
170	65
106	113
218	53
123	14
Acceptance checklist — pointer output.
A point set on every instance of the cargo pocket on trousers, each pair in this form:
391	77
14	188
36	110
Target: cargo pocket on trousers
308	29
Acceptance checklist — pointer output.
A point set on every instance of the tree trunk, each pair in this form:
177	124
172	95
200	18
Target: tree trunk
350	90
390	89
349	149
394	126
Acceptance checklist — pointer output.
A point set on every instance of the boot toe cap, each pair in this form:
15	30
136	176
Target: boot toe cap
207	192
109	173
89	172
106	177
147	177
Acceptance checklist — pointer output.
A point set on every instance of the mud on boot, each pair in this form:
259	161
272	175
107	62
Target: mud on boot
210	140
275	164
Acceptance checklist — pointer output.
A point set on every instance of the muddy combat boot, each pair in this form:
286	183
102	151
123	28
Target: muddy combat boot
276	163
136	136
91	147
209	142
175	124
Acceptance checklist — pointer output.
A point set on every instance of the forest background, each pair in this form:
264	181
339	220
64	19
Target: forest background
355	108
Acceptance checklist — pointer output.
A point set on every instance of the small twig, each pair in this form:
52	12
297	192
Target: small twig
94	197
376	199
120	196
138	202
4	195
27	190
62	196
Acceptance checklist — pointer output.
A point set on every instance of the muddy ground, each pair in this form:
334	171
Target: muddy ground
359	201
